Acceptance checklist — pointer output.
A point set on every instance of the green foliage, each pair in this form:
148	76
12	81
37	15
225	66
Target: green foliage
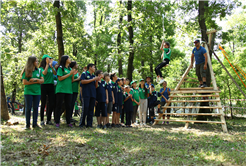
29	28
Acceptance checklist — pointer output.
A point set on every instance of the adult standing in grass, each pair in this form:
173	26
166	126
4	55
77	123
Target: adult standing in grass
47	88
136	101
75	87
165	92
89	83
143	94
64	90
32	77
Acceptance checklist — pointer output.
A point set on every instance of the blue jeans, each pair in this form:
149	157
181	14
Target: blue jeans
88	104
32	101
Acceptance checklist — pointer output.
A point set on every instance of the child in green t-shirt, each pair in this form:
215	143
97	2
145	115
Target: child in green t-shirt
165	57
136	101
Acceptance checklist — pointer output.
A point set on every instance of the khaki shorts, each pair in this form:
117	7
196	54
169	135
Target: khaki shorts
200	72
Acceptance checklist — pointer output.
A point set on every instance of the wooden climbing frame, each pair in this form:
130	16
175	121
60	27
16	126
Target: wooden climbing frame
197	92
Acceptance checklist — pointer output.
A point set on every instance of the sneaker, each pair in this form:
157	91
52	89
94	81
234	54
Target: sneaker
98	126
204	85
200	86
70	125
151	122
108	124
162	80
144	124
57	125
104	127
49	123
141	124
36	127
42	123
112	125
167	122
27	128
157	79
163	122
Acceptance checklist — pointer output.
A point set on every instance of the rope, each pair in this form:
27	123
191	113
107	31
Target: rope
241	71
223	51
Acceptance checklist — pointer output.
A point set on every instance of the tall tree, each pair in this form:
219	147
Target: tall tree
59	29
131	49
120	70
4	107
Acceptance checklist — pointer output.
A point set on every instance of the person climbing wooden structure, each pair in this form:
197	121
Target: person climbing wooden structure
199	92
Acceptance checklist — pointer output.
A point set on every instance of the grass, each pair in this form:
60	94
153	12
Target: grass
202	144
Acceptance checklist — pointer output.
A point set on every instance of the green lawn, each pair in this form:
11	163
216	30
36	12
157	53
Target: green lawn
202	144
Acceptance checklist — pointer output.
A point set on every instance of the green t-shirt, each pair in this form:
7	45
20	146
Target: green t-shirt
135	96
33	89
64	86
48	78
76	106
75	85
142	93
167	53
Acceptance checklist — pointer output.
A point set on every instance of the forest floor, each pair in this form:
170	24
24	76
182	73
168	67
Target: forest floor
201	144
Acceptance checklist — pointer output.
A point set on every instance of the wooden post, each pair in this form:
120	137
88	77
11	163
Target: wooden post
222	117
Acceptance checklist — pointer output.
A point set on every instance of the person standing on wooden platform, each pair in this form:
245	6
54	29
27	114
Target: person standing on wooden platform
201	58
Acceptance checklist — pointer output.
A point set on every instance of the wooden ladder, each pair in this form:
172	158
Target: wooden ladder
199	92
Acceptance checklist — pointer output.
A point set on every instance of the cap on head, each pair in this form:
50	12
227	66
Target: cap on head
118	80
127	86
46	56
141	80
54	63
132	82
197	41
153	85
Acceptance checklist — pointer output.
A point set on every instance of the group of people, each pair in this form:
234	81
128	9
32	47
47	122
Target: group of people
104	92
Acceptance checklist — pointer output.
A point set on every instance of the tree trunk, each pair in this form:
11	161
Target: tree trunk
16	66
131	49
59	30
4	107
201	19
203	27
151	58
75	50
120	72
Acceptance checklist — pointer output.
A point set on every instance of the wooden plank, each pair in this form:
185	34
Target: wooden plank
197	88
210	107
194	95
193	114
192	101
195	91
222	117
188	121
209	32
